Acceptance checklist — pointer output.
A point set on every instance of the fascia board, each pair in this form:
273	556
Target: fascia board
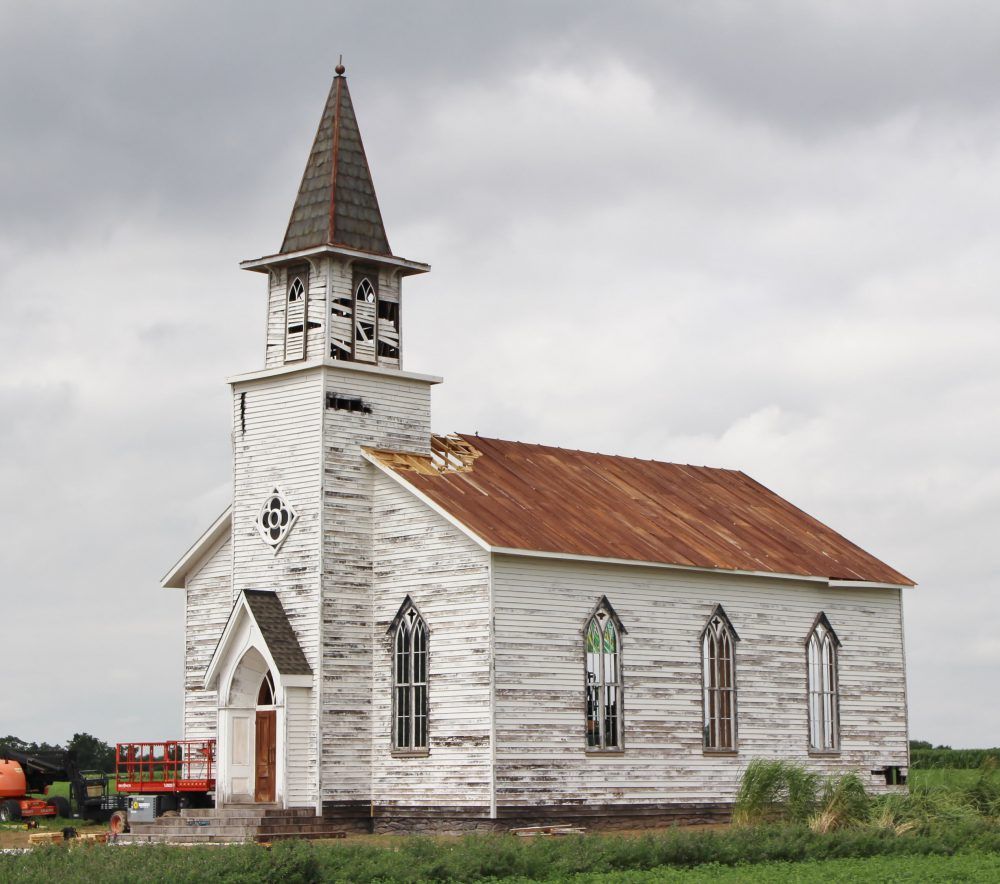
176	577
336	365
424	499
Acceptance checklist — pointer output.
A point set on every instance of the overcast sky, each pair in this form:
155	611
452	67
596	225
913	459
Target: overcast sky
763	236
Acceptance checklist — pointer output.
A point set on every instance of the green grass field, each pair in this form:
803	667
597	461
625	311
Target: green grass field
947	829
943	777
874	870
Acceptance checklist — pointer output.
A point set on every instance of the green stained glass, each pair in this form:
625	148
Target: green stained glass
610	638
593	639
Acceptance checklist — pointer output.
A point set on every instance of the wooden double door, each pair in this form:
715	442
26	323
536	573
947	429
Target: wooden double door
266	753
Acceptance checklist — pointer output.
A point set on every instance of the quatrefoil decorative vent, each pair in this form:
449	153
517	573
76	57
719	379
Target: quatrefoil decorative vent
275	519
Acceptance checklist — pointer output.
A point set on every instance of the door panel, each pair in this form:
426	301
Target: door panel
266	756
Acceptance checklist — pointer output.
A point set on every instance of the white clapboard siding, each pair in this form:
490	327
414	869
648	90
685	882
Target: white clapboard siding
208	601
274	353
400	418
419	554
300	746
541	607
280	448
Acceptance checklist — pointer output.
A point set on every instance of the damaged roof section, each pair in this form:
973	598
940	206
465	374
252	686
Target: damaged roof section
519	496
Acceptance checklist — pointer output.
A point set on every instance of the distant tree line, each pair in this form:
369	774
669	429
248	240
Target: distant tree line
925	755
91	752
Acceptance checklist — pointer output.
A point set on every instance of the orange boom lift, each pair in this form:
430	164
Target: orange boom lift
21	775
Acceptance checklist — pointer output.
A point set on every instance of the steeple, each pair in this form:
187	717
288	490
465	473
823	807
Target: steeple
336	202
335	287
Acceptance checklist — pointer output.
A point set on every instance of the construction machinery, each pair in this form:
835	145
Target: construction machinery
150	779
23	775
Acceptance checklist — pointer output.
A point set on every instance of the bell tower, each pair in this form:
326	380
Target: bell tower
333	383
335	284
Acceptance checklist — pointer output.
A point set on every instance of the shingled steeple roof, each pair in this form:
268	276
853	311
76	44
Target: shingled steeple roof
336	203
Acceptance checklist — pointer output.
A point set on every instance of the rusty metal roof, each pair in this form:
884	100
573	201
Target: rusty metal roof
336	202
533	497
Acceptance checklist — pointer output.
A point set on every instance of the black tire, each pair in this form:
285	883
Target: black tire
61	805
10	811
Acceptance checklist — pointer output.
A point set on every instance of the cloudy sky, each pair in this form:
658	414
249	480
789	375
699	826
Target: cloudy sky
760	235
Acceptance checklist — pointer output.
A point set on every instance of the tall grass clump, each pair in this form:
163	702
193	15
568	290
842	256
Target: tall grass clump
844	803
773	791
984	793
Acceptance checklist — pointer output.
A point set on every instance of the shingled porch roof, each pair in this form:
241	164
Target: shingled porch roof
517	496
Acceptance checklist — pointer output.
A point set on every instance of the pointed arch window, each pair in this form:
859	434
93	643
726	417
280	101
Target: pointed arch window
365	317
409	679
821	662
265	696
295	314
718	667
602	653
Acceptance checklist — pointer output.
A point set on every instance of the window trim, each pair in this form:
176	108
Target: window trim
733	748
359	275
299	272
408	611
603	605
822	621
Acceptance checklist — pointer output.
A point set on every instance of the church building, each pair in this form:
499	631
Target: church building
408	631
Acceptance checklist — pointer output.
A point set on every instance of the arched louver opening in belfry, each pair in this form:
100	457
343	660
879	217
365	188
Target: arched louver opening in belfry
821	662
295	315
602	654
718	661
409	690
365	317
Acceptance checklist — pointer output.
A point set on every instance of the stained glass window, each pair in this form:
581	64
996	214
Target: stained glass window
604	687
821	656
719	682
409	677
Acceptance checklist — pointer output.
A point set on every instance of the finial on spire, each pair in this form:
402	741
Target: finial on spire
340	67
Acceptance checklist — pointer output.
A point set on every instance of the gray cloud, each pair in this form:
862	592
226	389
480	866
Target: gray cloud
758	236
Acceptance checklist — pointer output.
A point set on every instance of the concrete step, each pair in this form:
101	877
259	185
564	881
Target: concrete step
183	830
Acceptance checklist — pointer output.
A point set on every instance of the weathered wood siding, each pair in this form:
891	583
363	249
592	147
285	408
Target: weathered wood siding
208	601
280	447
399	418
315	312
420	554
541	606
300	746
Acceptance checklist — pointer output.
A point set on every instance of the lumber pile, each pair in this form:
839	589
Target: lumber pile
547	831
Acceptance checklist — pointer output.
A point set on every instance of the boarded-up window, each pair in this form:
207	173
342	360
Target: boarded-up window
296	301
409	681
602	650
718	660
387	329
342	326
821	660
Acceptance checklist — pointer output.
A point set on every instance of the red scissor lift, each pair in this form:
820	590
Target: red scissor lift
160	776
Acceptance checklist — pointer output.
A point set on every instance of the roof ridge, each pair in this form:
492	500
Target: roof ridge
673	463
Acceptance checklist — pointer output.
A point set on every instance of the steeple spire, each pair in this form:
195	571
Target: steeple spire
336	202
